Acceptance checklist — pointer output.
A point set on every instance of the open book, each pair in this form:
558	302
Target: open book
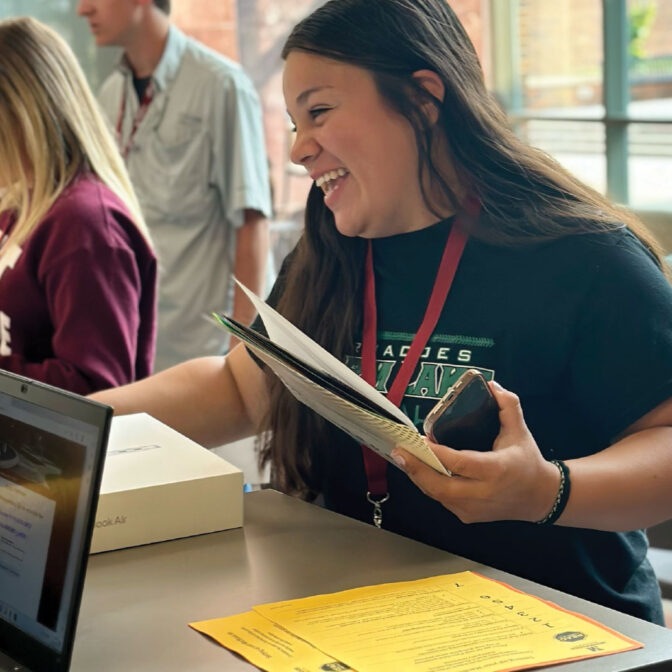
319	380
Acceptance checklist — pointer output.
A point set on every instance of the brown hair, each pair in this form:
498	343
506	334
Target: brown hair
526	196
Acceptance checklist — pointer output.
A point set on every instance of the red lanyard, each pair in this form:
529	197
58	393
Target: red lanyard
374	465
147	97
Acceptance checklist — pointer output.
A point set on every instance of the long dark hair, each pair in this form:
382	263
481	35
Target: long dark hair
525	195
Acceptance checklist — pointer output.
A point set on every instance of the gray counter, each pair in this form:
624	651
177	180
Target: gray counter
137	602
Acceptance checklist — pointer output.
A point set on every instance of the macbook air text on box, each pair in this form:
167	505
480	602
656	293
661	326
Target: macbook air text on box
160	485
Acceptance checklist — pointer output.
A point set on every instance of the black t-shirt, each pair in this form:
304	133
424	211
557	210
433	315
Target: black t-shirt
581	329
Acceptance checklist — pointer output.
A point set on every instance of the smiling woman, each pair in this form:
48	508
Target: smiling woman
436	241
344	126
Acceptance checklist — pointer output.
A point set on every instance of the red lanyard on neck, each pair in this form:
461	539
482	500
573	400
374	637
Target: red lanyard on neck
147	98
374	465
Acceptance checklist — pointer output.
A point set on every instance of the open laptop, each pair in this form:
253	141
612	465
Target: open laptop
52	446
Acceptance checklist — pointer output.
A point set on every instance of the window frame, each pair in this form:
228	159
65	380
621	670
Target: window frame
616	119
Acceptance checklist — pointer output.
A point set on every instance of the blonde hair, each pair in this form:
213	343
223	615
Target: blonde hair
51	128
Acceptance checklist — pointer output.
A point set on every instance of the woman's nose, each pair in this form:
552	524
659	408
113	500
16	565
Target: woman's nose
304	149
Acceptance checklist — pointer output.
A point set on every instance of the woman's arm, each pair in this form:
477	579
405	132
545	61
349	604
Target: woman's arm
623	487
78	298
82	332
212	400
629	484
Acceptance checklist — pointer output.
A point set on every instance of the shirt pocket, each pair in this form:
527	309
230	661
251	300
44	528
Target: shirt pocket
176	173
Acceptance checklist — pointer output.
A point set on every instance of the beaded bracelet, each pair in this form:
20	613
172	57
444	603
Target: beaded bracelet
561	498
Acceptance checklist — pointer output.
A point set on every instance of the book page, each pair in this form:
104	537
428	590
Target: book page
282	332
378	433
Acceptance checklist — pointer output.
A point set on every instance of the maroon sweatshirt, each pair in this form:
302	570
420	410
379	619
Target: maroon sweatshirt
78	298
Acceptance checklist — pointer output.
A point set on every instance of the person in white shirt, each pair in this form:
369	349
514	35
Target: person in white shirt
189	125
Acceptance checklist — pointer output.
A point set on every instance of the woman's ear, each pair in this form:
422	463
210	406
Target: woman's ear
434	86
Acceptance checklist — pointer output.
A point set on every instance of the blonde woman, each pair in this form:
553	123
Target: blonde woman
77	268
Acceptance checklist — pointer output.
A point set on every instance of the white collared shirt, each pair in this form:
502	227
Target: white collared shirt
197	161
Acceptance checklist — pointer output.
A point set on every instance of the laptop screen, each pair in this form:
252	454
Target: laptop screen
50	461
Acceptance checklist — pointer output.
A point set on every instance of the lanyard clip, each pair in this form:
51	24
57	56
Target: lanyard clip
377	509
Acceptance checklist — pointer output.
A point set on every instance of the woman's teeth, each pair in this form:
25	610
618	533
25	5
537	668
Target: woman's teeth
328	181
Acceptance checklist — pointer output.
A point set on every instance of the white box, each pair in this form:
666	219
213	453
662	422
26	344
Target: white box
158	485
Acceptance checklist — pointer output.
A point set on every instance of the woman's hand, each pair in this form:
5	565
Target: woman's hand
511	482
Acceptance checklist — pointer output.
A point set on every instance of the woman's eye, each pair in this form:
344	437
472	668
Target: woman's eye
317	111
314	113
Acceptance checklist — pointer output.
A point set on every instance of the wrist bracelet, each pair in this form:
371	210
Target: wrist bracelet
561	498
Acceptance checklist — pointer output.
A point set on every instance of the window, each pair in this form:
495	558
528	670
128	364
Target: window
590	81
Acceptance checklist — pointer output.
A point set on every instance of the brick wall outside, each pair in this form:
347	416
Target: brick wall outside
561	52
660	39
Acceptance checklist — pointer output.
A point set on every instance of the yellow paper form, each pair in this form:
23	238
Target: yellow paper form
266	644
459	623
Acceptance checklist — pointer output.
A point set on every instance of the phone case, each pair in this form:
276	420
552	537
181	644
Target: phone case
467	418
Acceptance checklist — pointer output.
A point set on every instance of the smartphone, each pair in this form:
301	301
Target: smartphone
467	417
